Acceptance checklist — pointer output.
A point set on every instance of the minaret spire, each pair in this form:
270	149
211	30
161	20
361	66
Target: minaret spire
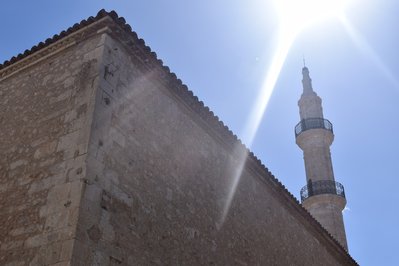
322	196
306	80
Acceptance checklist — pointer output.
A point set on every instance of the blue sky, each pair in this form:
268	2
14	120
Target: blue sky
222	50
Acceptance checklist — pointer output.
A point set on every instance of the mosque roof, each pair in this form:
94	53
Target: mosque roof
111	23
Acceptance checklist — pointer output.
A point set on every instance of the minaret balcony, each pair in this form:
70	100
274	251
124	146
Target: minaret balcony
322	187
313	123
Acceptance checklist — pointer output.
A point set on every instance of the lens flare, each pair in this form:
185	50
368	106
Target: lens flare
366	49
295	15
256	116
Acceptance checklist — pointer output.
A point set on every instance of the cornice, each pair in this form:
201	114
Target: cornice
59	42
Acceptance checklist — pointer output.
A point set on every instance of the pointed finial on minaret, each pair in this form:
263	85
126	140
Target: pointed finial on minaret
304	63
306	80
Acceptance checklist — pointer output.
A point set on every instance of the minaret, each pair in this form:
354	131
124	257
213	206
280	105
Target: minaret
323	197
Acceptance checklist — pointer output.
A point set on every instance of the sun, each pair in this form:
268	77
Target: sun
295	15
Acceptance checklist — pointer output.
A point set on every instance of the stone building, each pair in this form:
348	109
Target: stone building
106	158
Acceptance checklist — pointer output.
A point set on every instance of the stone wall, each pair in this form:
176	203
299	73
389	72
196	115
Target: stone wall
102	162
157	182
45	116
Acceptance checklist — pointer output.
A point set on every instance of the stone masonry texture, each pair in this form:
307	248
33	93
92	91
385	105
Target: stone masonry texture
107	159
45	113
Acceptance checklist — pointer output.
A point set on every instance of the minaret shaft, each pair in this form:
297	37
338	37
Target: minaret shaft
320	169
310	106
322	196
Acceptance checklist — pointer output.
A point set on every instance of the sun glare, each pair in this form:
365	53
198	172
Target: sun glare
366	49
294	15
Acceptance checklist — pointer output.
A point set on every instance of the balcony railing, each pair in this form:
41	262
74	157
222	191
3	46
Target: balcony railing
322	187
311	123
